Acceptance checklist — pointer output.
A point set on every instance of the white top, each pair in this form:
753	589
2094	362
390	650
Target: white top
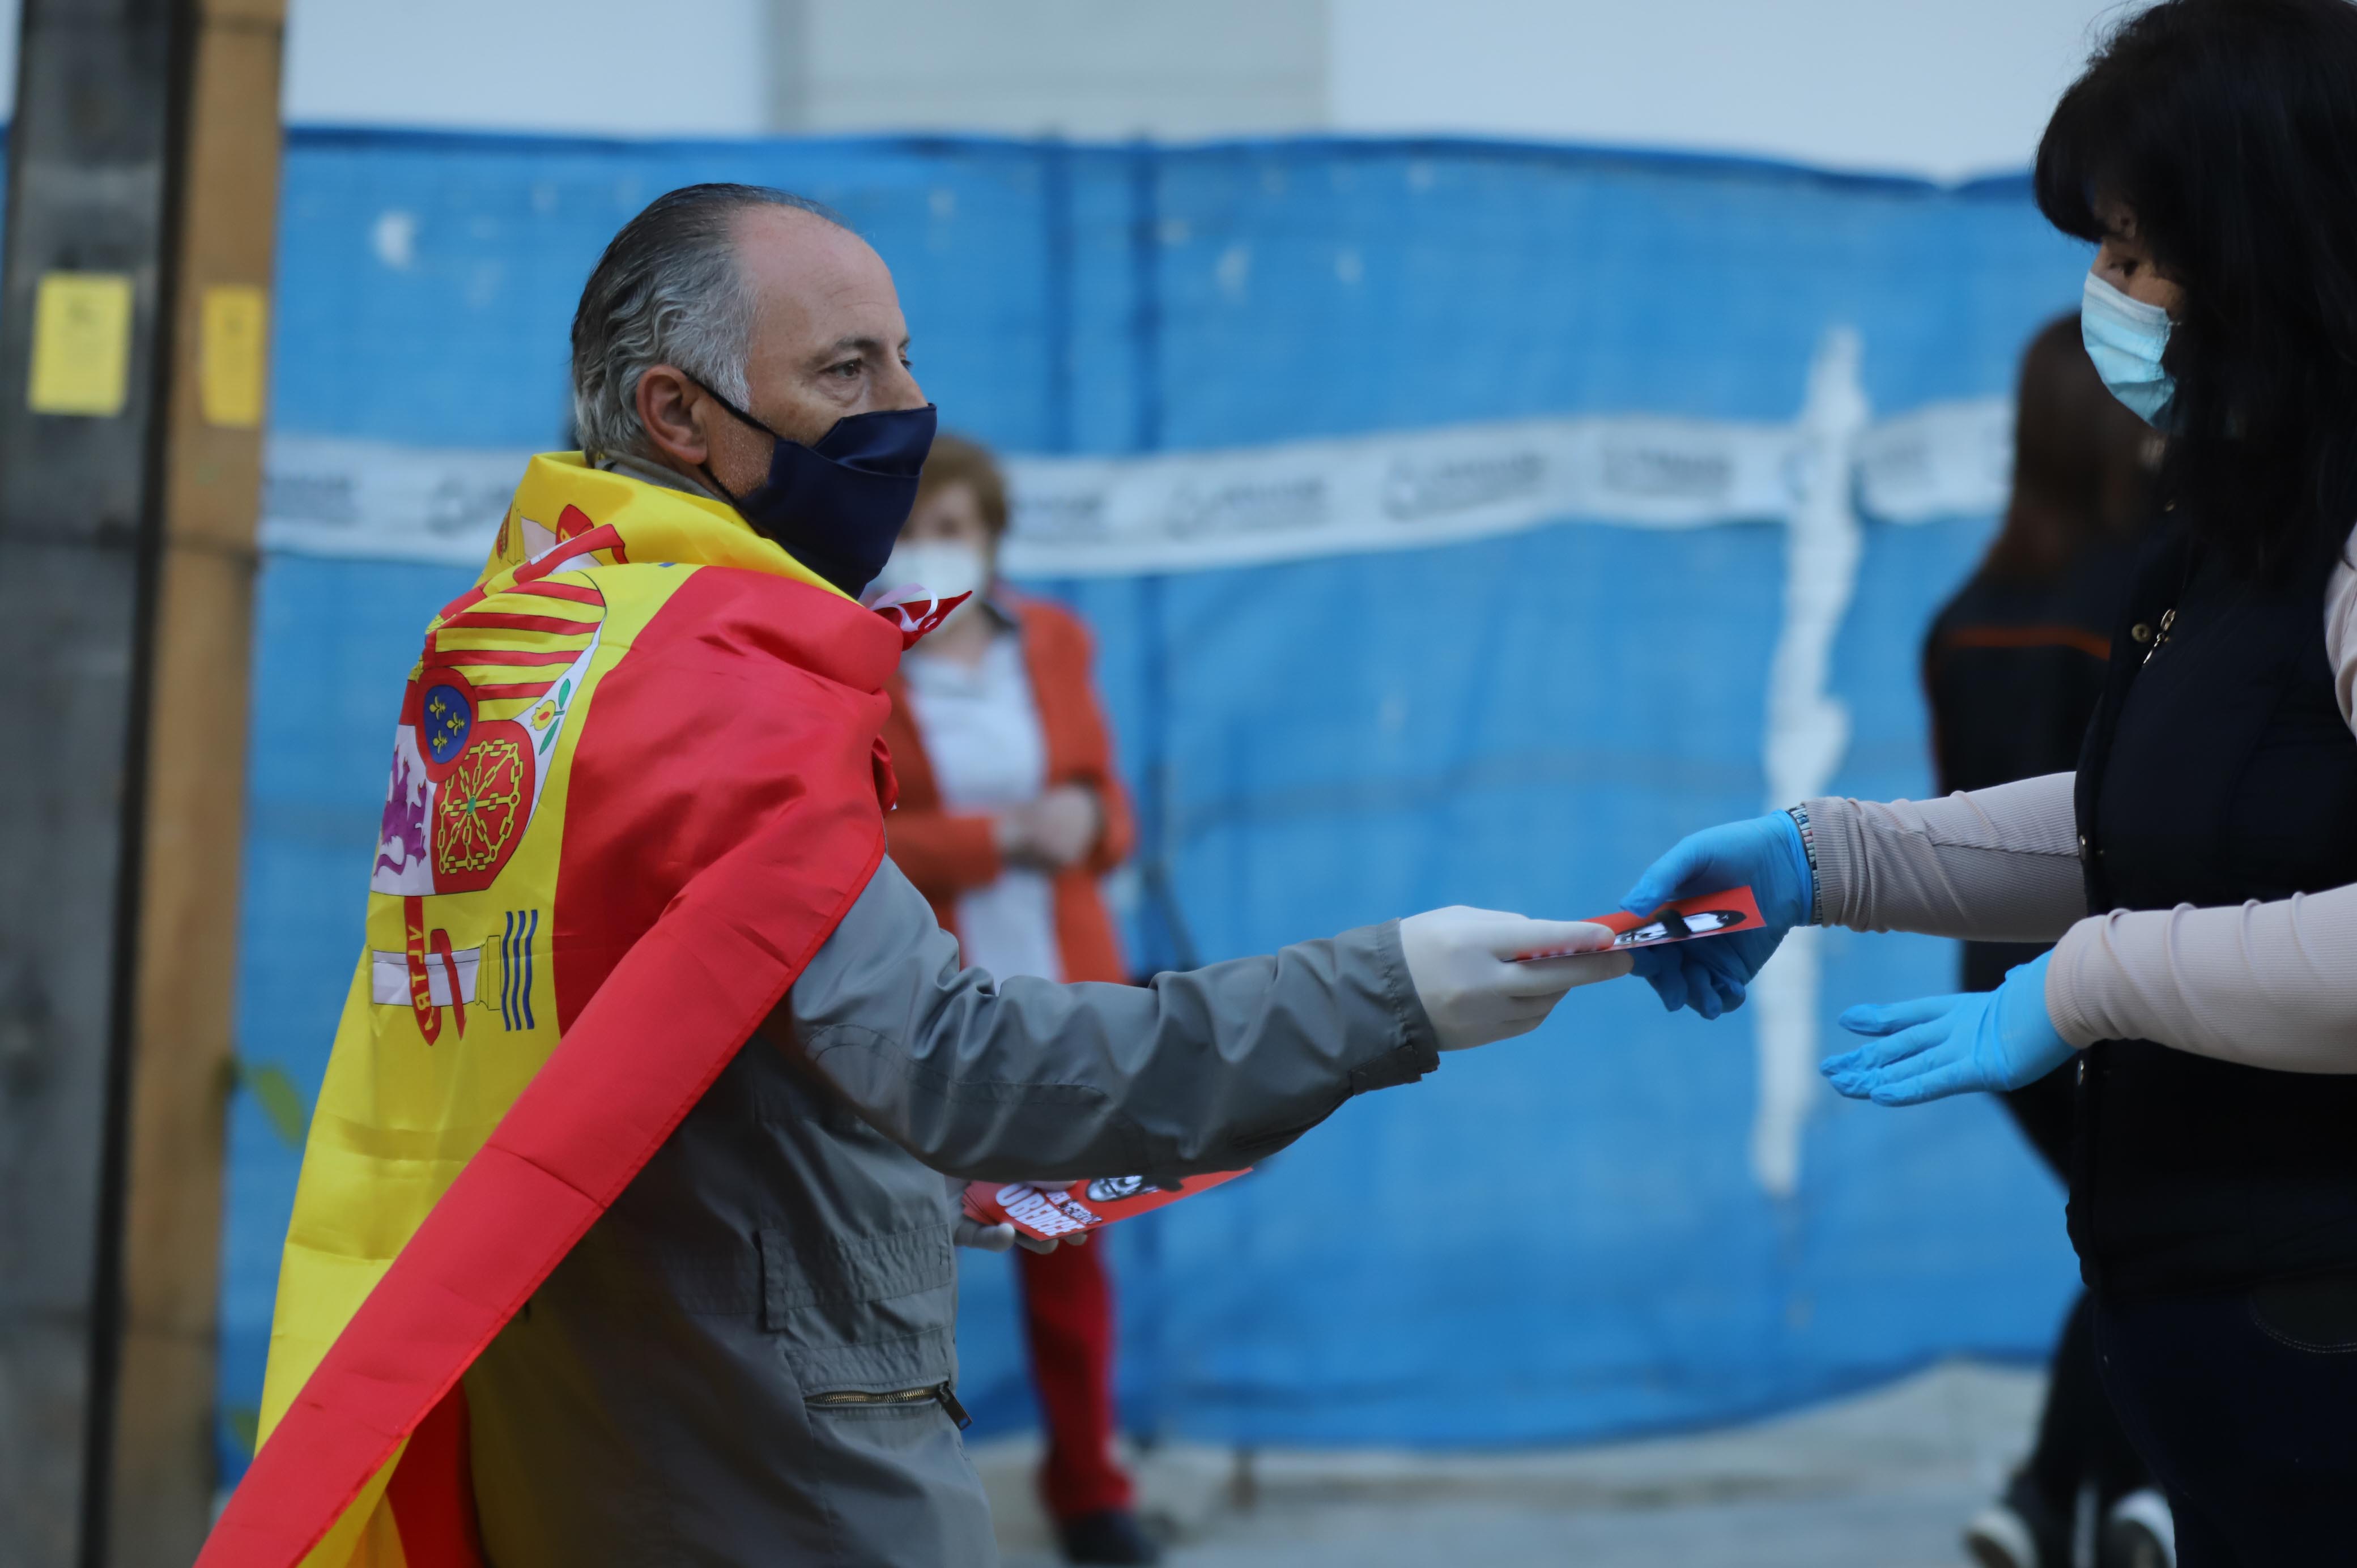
980	729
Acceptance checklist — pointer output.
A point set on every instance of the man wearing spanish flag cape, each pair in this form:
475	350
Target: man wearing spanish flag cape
622	1236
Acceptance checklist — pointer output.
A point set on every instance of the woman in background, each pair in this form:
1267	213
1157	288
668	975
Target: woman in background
1008	814
2013	669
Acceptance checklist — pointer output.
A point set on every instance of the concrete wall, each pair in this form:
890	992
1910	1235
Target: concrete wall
1175	69
1935	87
604	67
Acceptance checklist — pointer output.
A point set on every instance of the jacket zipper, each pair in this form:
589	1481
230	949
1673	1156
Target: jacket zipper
938	1393
2152	637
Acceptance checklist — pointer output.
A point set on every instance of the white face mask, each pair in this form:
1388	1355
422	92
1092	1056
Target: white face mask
943	568
2125	338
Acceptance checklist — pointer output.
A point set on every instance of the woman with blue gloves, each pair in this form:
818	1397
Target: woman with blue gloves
2198	871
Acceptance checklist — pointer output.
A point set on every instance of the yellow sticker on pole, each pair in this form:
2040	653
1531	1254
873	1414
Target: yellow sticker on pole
232	337
82	344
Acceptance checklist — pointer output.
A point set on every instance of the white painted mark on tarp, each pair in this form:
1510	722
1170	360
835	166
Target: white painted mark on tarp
1807	735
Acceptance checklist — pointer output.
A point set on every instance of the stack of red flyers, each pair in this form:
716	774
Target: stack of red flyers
1048	1214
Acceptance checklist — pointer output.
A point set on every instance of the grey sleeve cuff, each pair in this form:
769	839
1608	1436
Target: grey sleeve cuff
2066	1007
1836	847
1417	1048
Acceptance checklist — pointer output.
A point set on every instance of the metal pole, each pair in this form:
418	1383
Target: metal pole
143	175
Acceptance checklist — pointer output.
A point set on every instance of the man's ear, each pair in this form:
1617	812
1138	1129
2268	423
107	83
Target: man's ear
671	410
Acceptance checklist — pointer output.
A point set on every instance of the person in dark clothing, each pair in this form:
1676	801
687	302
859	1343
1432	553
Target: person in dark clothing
2197	869
2012	670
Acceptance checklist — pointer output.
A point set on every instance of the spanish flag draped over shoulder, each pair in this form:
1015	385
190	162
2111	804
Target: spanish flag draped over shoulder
636	783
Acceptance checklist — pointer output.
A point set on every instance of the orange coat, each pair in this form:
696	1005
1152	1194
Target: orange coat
945	852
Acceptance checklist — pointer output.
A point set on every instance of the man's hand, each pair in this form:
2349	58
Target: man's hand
1056	830
971	1232
1461	963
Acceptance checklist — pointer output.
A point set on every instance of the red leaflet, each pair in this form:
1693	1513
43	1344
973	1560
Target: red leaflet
1706	914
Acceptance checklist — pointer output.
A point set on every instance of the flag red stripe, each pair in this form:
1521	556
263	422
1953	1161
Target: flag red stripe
579	593
606	538
432	1493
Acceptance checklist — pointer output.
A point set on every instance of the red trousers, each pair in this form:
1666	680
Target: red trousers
1068	1317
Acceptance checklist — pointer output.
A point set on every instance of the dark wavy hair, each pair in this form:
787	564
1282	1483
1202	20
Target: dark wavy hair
2229	129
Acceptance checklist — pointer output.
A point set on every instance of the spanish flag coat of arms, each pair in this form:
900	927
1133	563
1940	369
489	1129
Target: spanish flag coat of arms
636	782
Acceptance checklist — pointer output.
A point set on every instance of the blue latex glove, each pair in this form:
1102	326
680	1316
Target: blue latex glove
1937	1046
1765	853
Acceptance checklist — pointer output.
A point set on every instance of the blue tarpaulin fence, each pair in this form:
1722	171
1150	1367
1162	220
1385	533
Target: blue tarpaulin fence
1566	1238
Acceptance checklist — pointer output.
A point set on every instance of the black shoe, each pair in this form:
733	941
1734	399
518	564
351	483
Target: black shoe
1112	1536
2018	1530
2140	1533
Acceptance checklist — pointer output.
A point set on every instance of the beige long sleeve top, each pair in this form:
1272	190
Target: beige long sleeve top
2272	986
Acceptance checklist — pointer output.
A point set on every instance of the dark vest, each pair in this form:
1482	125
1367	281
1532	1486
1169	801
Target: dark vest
2012	672
2218	770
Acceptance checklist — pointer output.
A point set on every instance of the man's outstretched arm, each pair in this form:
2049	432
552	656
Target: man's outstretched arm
1208	1070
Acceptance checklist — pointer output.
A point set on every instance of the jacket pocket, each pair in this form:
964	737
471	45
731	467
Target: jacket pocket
864	1315
2316	1314
858	1401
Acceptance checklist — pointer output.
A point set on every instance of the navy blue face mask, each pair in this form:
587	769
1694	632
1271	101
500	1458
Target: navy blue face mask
838	507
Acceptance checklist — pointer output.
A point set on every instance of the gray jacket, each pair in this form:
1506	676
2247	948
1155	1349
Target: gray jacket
750	1360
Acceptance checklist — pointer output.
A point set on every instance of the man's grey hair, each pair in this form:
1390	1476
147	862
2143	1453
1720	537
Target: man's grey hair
668	291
